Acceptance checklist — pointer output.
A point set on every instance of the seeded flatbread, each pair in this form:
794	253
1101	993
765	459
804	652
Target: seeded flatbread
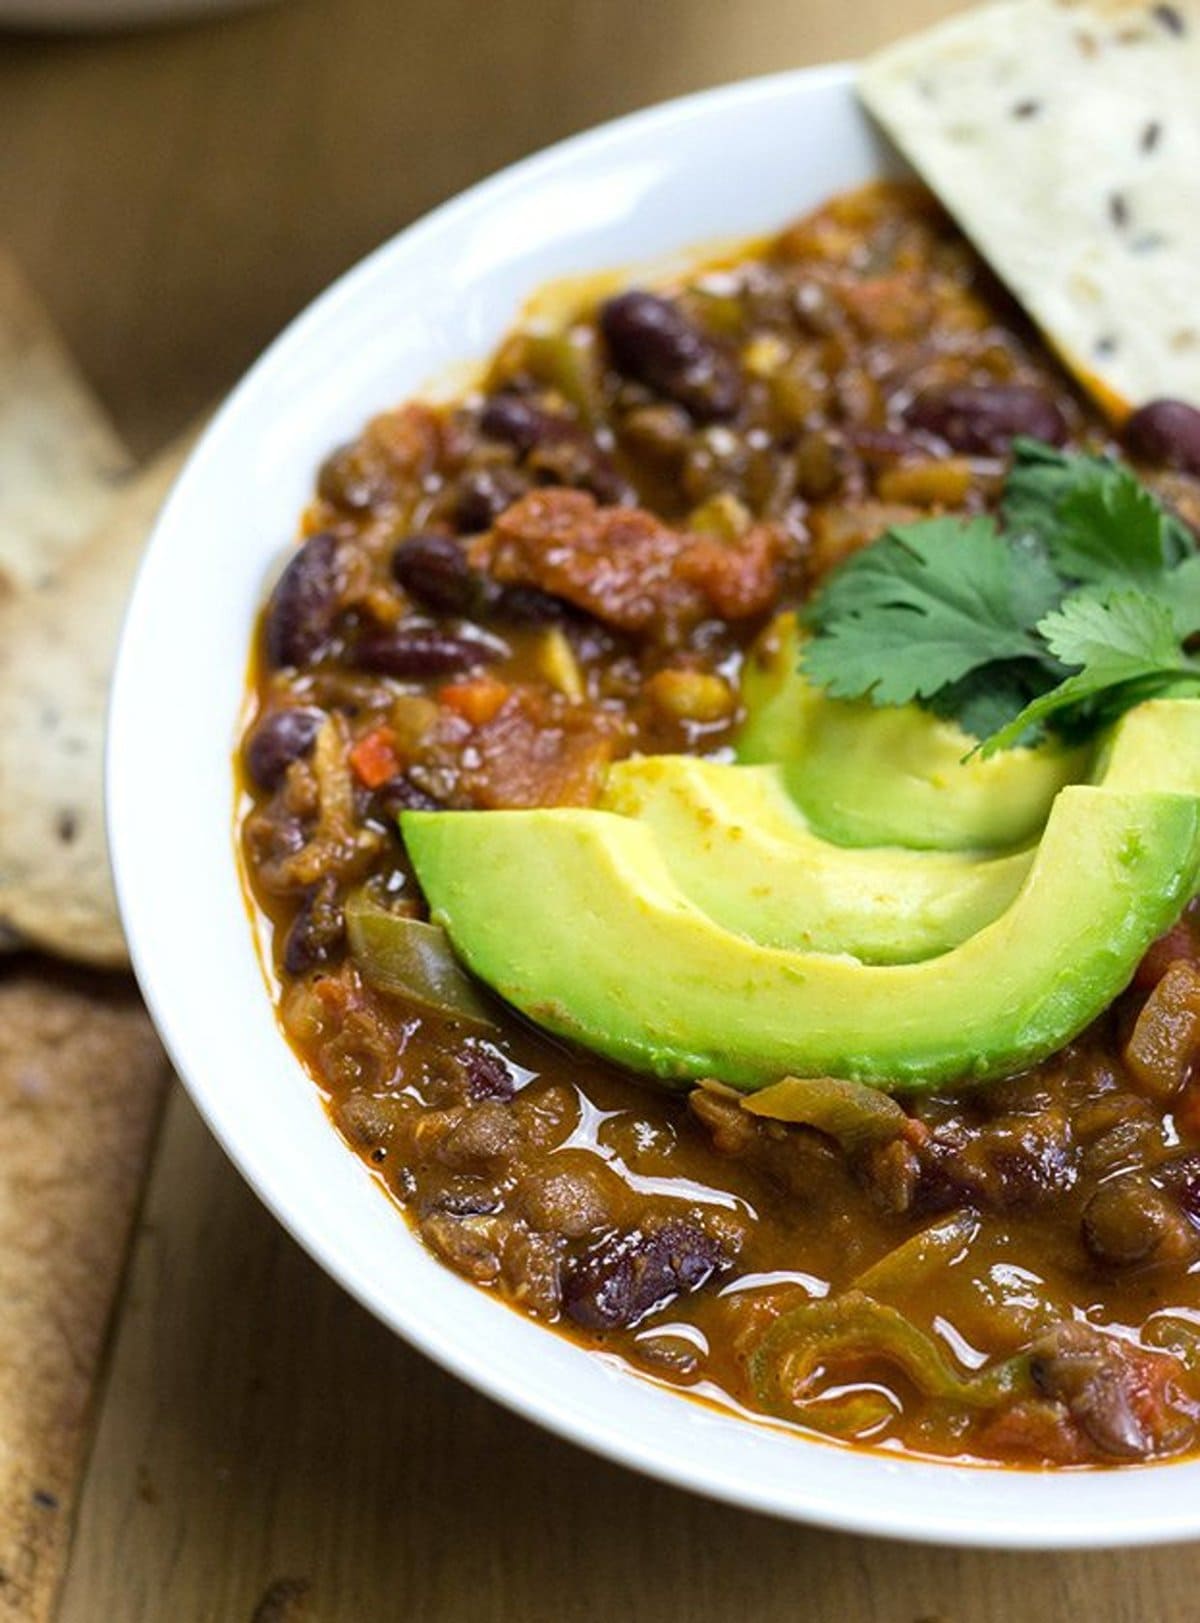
60	458
57	642
1064	136
81	1077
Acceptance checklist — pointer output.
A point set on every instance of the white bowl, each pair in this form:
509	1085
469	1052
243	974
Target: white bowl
733	161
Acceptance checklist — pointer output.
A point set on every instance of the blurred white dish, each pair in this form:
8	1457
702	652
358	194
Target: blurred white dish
62	16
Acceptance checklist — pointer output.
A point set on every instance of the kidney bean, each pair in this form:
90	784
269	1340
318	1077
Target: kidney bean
487	1074
1166	432
1084	1370
986	418
629	1276
316	932
650	339
280	738
556	450
303	607
483	496
1180	1177
434	568
419	651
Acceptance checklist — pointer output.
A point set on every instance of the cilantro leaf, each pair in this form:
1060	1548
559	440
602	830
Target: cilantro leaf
1079	609
990	697
925	606
1095	519
1128	647
1181	591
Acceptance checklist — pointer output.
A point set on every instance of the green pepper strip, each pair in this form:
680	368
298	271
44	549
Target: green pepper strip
816	1334
411	959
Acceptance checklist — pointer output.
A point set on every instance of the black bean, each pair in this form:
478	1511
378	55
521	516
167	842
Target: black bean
631	1275
434	568
1171	19
529	606
576	461
303	607
402	794
280	738
464	1198
316	932
418	651
516	421
484	494
650	339
1166	432
986	418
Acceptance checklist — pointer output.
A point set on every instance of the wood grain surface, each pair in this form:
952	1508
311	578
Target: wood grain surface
266	1453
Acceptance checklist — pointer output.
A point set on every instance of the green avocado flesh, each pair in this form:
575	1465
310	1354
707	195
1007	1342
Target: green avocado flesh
614	955
864	775
737	846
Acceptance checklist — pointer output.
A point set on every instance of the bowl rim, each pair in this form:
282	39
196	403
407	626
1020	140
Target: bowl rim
904	1517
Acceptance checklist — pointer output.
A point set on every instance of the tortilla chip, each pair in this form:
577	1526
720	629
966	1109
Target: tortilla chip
61	458
1064	137
57	642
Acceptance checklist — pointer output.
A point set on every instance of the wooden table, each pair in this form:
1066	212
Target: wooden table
265	1452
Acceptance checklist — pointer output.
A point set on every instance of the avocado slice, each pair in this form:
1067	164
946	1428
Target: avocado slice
1157	742
737	845
864	775
612	954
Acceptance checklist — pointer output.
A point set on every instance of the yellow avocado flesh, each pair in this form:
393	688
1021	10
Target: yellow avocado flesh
864	775
606	949
737	846
1158	743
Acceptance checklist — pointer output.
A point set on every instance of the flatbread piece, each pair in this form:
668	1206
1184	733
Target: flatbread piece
81	1080
57	642
60	458
1064	137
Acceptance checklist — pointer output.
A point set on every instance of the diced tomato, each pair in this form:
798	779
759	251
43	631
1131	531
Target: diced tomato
374	760
1034	1430
1179	942
477	702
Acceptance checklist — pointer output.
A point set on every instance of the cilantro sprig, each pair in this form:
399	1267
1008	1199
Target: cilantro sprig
1075	607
